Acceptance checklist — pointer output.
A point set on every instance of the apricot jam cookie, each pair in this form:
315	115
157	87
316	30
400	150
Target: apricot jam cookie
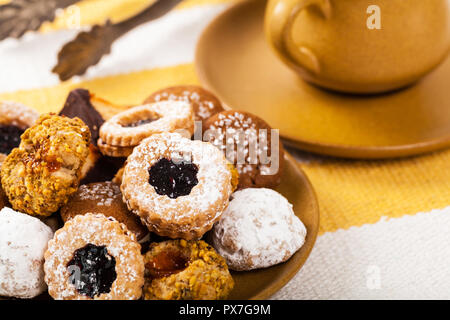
39	176
185	270
205	104
250	144
258	229
23	241
104	198
130	127
15	118
94	257
177	186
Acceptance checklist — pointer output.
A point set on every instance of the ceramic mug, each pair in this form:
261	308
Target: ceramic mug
360	46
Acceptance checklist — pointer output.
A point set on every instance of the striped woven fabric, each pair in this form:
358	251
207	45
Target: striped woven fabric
384	224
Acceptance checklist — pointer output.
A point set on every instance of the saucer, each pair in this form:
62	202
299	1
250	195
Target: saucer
235	62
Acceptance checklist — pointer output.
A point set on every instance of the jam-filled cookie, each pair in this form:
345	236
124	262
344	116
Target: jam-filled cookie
124	131
39	176
94	257
23	241
205	104
104	198
257	230
185	270
177	186
251	144
15	118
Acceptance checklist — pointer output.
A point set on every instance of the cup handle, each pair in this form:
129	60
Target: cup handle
280	20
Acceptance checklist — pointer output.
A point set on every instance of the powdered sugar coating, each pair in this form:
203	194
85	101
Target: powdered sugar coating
103	193
98	230
167	116
258	229
23	241
16	114
187	217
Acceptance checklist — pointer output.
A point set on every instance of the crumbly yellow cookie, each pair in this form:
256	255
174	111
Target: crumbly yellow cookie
177	186
15	118
94	258
185	270
39	176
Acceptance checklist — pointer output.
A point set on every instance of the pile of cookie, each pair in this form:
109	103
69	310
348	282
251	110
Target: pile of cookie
156	201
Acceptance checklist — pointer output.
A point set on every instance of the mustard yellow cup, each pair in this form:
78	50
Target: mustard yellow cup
360	46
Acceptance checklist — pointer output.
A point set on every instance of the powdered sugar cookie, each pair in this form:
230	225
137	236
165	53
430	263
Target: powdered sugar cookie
258	229
130	127
104	198
177	186
205	104
94	257
23	241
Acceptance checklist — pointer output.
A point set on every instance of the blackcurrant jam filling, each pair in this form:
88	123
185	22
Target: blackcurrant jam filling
173	179
9	138
92	270
166	263
139	123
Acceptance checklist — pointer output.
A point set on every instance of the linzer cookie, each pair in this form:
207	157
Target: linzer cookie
15	118
78	104
205	104
250	144
120	134
177	186
94	258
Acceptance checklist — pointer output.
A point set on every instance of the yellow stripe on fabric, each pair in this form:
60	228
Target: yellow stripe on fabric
350	193
123	89
354	193
91	12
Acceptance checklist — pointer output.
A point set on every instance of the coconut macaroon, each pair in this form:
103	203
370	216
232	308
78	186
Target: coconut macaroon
39	176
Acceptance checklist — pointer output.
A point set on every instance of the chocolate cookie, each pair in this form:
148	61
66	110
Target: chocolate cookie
250	144
105	198
205	104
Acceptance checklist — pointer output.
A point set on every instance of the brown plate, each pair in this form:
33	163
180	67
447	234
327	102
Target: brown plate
295	186
234	61
261	284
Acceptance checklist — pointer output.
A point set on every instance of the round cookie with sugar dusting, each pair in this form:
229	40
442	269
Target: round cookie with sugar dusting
205	104
250	144
104	198
178	187
130	127
257	230
23	241
94	258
